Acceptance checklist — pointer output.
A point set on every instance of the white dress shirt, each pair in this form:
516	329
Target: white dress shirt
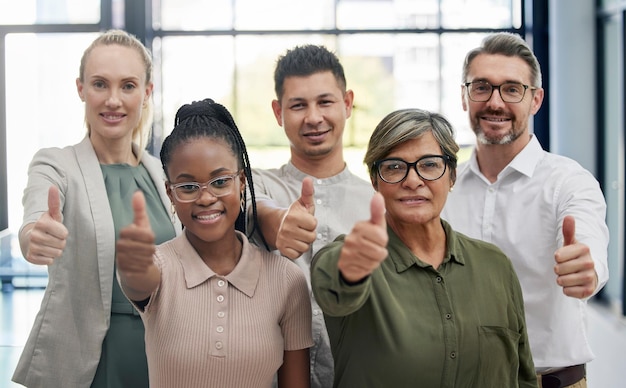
522	213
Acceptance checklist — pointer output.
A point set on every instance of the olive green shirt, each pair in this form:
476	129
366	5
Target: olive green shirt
411	325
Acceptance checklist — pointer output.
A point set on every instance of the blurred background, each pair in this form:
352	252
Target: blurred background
396	54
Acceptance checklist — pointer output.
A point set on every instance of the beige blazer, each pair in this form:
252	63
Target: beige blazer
63	349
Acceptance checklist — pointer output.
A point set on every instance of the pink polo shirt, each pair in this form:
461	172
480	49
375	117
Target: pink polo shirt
207	330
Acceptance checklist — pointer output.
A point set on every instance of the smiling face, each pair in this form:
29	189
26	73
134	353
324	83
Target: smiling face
313	112
207	219
413	200
495	121
114	90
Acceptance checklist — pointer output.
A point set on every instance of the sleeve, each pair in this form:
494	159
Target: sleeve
580	196
332	293
43	172
296	321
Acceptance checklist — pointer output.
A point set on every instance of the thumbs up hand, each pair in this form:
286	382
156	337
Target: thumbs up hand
366	245
135	247
46	238
574	266
297	228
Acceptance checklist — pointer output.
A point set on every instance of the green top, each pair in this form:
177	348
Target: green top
123	361
411	325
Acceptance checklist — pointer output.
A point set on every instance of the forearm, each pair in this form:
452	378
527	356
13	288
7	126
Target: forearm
24	238
295	372
139	286
270	217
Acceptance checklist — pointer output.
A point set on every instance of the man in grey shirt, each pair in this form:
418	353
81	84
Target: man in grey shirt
313	198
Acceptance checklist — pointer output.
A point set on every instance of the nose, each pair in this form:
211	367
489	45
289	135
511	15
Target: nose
496	98
114	98
314	115
206	195
413	179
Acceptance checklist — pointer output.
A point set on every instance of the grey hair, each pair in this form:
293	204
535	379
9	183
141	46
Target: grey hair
510	45
407	124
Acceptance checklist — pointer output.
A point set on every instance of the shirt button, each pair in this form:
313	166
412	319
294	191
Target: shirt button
439	279
448	316
319	201
453	355
319	236
319	181
316	312
220	283
218	345
220	314
220	329
220	298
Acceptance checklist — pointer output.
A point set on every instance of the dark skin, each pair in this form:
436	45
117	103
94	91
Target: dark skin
210	227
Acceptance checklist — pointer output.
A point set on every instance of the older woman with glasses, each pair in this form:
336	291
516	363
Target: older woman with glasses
407	300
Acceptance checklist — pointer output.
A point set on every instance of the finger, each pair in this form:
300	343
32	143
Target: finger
569	230
54	203
306	194
377	210
139	208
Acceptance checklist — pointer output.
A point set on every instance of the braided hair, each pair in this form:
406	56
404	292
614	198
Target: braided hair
208	119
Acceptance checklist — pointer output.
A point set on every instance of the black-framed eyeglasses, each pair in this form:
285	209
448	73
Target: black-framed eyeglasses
191	191
429	167
512	92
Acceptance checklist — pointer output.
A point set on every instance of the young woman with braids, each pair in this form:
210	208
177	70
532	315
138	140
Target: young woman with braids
218	311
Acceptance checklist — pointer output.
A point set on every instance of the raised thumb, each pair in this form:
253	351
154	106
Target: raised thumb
139	209
569	230
54	204
377	210
306	194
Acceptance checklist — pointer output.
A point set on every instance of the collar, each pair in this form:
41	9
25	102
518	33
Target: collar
293	171
403	258
244	277
525	162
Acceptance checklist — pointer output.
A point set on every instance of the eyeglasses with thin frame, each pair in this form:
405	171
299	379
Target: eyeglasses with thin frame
191	191
429	167
511	92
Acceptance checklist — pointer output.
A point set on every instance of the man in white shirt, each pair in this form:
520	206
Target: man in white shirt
545	211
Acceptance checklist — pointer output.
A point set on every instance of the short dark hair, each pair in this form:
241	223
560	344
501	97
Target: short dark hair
305	60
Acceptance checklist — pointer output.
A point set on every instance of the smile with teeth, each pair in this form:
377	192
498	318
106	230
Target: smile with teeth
208	217
112	117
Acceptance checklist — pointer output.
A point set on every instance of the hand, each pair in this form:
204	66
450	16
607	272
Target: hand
574	265
297	228
135	247
366	245
48	236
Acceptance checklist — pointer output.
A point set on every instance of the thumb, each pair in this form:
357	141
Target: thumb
139	209
569	230
377	210
306	195
54	203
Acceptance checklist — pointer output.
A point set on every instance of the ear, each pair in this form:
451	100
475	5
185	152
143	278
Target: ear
79	89
536	101
348	101
169	192
374	181
149	89
464	98
278	112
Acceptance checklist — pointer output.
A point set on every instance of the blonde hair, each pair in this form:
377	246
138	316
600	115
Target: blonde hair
141	133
